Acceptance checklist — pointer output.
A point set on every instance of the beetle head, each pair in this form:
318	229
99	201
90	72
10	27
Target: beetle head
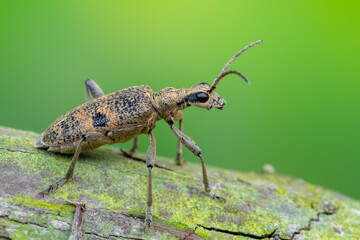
200	96
204	96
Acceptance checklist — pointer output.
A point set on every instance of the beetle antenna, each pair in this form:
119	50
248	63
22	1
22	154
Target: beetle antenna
223	73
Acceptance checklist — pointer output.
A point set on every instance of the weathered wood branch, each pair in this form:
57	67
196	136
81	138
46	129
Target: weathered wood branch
113	188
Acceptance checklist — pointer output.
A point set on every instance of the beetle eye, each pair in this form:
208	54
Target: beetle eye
202	97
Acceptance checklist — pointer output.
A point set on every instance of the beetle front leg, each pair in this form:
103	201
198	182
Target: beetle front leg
193	147
88	138
150	162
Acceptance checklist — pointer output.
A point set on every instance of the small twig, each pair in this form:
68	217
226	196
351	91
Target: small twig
76	229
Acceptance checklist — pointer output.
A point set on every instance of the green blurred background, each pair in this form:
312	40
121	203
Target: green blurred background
300	113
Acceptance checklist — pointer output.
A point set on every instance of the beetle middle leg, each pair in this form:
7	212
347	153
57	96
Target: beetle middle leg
178	160
133	149
93	139
193	147
150	162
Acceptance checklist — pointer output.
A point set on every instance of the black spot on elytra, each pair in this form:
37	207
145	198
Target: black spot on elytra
178	104
99	120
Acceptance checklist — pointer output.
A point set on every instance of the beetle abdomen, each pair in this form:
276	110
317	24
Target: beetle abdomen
122	109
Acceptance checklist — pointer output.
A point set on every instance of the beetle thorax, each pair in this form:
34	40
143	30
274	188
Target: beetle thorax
169	100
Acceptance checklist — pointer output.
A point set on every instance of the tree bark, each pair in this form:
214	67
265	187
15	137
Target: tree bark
107	199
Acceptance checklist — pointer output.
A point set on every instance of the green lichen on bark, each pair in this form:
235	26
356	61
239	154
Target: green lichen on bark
114	191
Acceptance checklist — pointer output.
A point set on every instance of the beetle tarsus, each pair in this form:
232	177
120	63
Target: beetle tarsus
178	160
216	197
147	222
148	218
52	187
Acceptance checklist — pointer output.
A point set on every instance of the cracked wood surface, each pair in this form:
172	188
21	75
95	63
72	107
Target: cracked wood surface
113	188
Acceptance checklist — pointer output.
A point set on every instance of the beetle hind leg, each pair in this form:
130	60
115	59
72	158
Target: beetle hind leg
94	89
91	139
55	185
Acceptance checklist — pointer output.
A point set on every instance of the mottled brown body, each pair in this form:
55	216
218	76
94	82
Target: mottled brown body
123	115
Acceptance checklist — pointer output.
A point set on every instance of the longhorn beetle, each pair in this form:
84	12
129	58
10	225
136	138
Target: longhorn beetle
123	115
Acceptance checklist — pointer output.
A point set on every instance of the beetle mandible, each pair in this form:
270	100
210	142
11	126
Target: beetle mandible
123	115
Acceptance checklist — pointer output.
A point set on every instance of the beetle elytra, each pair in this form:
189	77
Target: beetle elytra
123	115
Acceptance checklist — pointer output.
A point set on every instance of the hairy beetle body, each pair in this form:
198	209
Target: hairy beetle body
121	115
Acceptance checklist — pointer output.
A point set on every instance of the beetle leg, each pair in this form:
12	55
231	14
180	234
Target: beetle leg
87	138
134	146
133	149
95	90
193	147
178	160
150	162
